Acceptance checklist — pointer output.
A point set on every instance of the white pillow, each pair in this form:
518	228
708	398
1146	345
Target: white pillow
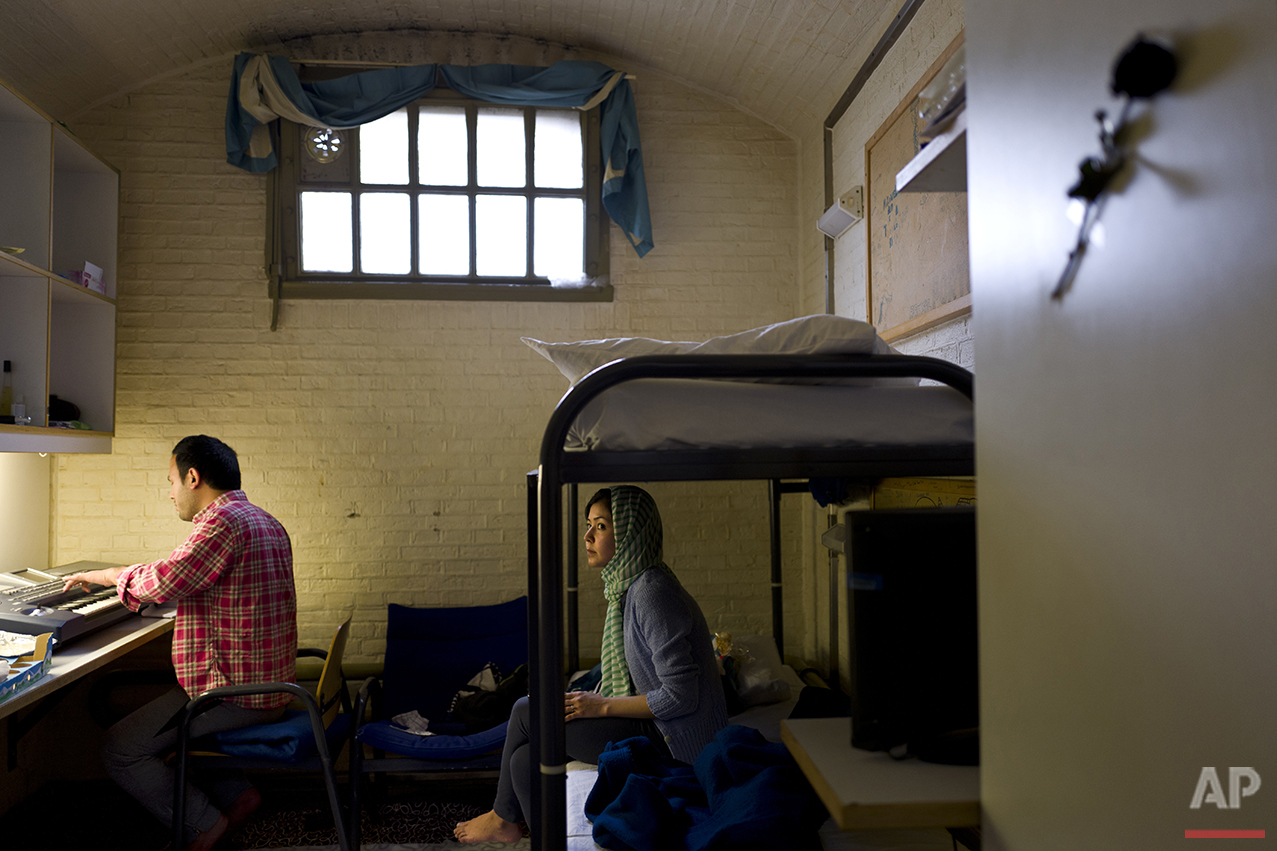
821	334
761	679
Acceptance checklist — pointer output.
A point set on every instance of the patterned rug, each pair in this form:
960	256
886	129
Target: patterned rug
522	845
294	815
416	823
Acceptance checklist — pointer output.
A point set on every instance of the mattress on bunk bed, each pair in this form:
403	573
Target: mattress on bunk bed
663	414
671	414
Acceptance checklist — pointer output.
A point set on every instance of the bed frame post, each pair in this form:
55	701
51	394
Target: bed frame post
573	551
534	632
547	682
778	608
777	488
833	608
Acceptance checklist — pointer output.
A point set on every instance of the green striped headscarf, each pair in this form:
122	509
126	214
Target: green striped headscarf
637	526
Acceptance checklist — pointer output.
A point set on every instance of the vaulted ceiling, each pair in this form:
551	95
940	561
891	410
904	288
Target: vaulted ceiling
783	60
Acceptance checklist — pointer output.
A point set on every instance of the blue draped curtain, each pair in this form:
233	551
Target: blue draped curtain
360	98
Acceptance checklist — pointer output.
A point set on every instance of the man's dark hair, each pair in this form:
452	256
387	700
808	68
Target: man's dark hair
217	463
602	495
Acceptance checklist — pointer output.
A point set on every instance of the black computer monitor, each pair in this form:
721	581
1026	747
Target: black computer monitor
911	577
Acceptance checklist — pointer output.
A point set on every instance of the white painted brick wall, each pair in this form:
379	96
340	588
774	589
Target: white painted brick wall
392	439
928	34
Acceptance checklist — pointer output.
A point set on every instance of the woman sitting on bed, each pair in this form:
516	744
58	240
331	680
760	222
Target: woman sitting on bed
660	677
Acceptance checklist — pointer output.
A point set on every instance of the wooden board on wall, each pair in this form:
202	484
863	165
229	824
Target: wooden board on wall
923	493
918	270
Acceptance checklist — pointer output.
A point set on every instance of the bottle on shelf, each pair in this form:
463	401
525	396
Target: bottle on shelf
6	391
20	416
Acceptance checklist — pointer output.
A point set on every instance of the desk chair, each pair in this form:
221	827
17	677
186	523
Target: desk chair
303	740
430	654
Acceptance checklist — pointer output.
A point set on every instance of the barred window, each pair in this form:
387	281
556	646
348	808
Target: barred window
445	198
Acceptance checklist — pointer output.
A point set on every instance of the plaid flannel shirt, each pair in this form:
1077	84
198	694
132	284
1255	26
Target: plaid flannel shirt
232	579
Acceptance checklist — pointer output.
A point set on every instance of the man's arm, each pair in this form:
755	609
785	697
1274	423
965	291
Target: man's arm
106	576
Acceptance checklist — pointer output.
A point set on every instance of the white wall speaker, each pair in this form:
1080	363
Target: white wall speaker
845	212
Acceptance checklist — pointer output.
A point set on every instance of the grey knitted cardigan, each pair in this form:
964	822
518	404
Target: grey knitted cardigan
671	660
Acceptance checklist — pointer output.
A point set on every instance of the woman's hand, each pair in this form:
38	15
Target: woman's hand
584	704
587	704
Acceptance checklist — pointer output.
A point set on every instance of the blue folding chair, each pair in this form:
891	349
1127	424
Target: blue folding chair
431	653
310	739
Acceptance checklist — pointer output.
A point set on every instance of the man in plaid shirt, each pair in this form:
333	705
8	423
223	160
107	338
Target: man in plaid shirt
232	581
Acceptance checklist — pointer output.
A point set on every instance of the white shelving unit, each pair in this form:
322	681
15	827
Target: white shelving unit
942	165
59	203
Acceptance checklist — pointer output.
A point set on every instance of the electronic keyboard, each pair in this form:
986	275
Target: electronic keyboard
36	608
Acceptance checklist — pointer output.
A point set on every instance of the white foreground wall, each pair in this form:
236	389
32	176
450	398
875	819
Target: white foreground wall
1125	442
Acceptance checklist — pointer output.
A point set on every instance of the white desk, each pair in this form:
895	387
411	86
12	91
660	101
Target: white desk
85	655
863	789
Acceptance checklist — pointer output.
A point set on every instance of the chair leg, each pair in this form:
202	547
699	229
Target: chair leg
356	778
371	787
330	781
343	839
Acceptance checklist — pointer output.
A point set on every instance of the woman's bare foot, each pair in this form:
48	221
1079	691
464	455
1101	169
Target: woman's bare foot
488	827
208	838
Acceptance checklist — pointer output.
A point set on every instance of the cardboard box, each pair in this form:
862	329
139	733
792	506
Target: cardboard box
90	277
27	669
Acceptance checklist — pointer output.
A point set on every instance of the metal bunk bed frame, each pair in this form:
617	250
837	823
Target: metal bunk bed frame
559	467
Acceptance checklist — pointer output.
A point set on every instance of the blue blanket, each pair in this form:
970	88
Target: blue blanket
743	792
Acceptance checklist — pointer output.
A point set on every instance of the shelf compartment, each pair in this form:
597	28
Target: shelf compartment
26	148
60	204
24	330
86	198
82	353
